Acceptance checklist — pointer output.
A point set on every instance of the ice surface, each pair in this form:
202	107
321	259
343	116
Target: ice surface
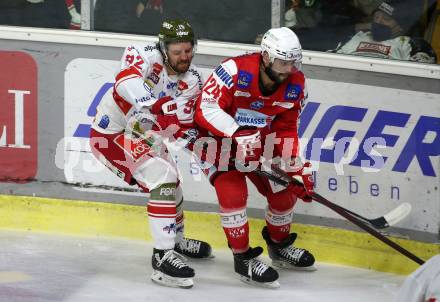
38	267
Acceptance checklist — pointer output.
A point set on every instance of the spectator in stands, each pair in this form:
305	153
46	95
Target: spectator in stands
301	14
52	14
149	15
386	38
367	7
340	13
155	5
331	20
417	18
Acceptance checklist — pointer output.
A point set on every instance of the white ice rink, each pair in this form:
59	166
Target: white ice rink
45	267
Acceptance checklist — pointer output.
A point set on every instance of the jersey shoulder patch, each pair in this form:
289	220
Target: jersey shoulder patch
295	87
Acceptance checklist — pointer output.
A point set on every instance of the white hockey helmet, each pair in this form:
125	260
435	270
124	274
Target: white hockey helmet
281	43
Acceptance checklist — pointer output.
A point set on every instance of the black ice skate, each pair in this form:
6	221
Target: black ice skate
253	271
194	248
285	255
169	269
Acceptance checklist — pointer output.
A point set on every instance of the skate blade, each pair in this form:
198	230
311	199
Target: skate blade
282	264
188	256
201	259
272	285
165	280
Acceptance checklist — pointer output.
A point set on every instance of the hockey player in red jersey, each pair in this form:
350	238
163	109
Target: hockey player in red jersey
255	101
154	90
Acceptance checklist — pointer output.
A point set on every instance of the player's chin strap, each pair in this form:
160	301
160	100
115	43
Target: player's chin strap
166	60
282	178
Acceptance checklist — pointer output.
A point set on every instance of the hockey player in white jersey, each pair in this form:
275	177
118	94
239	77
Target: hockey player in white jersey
387	40
153	97
423	285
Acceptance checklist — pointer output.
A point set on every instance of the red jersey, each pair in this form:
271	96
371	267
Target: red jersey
231	98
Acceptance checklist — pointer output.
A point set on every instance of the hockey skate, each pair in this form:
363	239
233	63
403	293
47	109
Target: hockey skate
169	269
194	248
285	255
254	271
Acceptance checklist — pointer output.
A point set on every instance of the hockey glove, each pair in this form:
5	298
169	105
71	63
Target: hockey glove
305	177
248	141
165	111
164	105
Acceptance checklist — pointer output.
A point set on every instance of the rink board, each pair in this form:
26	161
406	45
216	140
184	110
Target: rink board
339	125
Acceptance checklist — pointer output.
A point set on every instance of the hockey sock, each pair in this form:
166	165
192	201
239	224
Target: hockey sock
162	215
278	223
236	227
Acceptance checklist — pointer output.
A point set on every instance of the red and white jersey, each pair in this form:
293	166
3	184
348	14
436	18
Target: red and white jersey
231	98
141	81
423	285
363	44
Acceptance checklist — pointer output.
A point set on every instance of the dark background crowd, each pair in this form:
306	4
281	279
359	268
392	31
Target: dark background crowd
321	25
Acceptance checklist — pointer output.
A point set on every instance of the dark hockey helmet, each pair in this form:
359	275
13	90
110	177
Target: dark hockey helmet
174	31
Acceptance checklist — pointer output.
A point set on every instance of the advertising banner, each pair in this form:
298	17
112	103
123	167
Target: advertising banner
18	117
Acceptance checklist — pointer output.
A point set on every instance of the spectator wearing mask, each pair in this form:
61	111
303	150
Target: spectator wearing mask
386	38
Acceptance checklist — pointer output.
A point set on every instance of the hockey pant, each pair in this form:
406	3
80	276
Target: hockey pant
232	194
135	162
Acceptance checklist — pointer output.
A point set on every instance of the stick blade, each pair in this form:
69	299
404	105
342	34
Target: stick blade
398	213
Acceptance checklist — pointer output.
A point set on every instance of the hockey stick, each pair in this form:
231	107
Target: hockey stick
385	221
318	198
341	211
382	222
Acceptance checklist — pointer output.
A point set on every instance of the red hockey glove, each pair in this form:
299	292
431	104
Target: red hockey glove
164	105
165	110
166	120
304	175
248	141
